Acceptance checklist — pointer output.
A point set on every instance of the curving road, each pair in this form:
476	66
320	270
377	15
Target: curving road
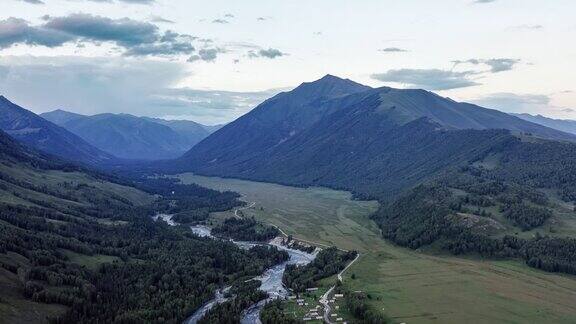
324	298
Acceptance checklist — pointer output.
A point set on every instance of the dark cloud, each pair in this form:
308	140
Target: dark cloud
496	65
430	79
18	31
136	37
37	2
270	53
392	50
206	55
97	85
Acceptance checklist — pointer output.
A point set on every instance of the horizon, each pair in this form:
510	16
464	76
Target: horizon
212	63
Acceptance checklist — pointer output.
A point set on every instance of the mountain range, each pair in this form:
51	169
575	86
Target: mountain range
130	137
45	136
342	134
564	125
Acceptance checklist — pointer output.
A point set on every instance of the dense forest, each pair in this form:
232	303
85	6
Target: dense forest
245	229
458	210
328	262
73	238
274	313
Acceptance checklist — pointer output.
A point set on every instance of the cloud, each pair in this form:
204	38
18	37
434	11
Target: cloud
119	85
270	53
135	37
496	65
37	2
516	103
159	19
228	15
392	50
18	31
484	1
219	21
528	27
430	79
261	19
206	55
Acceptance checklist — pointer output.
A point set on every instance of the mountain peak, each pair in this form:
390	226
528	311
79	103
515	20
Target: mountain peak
329	86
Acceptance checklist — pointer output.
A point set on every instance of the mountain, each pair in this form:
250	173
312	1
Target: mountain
131	137
192	131
271	123
564	125
375	142
45	136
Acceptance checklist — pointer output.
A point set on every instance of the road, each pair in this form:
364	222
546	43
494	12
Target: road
324	298
243	208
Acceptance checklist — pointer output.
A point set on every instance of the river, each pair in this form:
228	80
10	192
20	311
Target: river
271	279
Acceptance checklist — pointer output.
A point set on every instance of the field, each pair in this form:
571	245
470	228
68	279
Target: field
409	286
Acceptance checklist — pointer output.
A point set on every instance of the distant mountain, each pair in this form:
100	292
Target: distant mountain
132	137
564	125
373	141
45	136
193	131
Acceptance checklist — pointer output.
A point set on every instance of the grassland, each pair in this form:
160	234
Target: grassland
409	286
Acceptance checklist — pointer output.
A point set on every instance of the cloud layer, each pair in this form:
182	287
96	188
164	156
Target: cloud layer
430	79
134	37
119	85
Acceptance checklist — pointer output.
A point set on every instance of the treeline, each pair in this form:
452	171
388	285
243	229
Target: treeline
420	218
274	313
245	229
357	305
328	262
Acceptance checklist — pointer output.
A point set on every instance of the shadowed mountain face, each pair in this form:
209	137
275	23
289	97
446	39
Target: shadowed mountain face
45	136
132	137
564	125
271	123
373	141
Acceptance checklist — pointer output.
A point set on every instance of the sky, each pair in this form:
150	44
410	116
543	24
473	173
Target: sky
213	61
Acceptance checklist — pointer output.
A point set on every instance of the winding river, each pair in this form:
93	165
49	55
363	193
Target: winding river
271	279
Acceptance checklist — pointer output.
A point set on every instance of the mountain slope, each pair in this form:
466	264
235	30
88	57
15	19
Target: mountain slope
375	142
271	123
43	135
132	137
564	125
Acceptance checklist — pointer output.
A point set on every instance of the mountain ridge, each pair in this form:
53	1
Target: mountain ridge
33	130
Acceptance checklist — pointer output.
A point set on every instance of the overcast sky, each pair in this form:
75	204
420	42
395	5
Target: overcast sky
212	61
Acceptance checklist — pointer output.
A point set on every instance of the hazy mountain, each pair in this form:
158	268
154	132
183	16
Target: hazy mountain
193	131
132	137
374	141
45	136
564	125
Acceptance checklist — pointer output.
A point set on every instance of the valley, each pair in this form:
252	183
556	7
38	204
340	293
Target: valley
406	285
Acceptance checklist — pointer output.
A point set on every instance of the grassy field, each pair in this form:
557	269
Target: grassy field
409	286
